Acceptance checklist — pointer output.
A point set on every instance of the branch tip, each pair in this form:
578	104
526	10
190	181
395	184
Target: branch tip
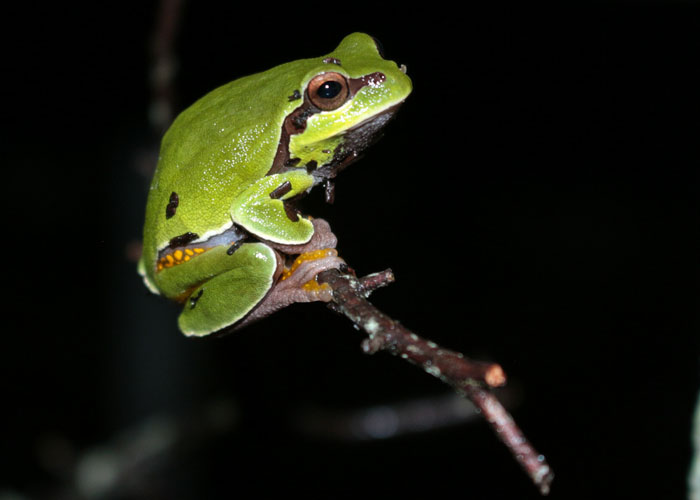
372	282
471	379
494	376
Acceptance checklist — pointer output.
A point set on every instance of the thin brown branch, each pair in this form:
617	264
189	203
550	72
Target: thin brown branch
510	434
349	298
469	378
371	282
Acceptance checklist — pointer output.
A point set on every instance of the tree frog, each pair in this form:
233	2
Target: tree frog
222	234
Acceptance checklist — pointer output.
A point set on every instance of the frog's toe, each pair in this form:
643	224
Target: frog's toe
298	284
299	279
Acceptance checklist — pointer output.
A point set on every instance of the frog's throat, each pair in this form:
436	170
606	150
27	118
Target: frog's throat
355	140
295	123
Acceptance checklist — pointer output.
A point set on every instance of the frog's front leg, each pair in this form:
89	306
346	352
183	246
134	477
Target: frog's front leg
297	281
322	238
263	209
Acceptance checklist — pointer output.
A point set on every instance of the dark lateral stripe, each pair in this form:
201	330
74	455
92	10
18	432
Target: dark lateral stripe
295	122
356	84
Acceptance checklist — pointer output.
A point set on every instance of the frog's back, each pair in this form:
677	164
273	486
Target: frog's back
214	150
224	141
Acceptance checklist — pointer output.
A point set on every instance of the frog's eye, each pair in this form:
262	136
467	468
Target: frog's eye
328	91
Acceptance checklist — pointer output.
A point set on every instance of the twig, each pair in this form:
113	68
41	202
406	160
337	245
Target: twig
508	431
469	378
452	367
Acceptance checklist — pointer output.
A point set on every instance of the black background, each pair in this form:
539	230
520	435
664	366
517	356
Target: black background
535	198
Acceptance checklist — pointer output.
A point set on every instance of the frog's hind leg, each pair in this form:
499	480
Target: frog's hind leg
229	296
298	284
255	285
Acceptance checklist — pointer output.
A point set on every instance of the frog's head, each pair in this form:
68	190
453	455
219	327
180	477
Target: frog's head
348	97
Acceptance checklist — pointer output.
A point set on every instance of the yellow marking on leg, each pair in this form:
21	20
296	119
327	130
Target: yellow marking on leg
305	257
313	286
178	257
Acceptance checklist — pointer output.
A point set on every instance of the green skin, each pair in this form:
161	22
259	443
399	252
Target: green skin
217	157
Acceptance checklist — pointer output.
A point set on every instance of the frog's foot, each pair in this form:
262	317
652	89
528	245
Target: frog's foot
298	283
299	280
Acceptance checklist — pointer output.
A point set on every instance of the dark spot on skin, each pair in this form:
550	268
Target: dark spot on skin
183	239
293	162
332	60
291	212
326	151
194	299
234	247
311	166
172	205
281	190
296	95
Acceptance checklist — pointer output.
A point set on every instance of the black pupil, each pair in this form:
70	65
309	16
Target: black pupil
329	89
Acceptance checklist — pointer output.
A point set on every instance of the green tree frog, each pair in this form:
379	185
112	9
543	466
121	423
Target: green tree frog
222	234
